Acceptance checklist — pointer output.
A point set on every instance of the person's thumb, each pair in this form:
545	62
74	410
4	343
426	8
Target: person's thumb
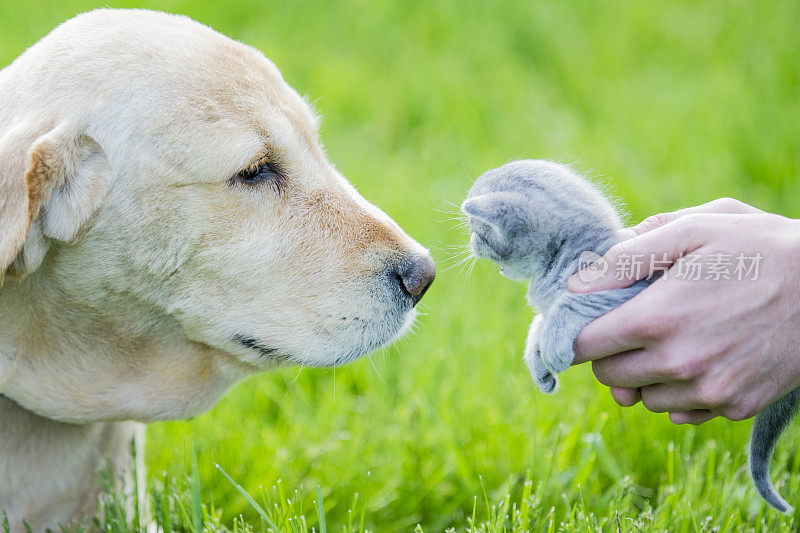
728	206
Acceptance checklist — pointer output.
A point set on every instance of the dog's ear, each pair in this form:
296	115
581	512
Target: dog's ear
49	193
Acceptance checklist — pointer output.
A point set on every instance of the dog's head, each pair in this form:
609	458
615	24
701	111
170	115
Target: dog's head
153	168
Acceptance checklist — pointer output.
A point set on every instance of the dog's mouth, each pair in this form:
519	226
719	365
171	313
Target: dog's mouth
341	339
263	350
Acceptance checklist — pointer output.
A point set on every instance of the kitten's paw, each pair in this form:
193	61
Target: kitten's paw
547	382
557	351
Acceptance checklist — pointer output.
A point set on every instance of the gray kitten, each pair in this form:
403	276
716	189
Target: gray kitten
536	219
541	221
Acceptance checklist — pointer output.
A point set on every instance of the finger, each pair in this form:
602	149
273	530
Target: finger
695	417
669	397
656	221
632	369
625	397
640	257
720	205
615	332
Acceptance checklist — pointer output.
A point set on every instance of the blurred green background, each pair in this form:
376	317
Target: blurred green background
669	103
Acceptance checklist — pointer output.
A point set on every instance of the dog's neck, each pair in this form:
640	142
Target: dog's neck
112	360
50	470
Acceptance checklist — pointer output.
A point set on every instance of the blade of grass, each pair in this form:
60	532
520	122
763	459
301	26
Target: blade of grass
321	511
197	506
249	499
364	506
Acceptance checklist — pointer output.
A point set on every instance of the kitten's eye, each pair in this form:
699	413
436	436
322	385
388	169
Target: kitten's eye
265	171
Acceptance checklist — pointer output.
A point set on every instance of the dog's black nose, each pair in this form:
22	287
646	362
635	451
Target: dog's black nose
416	275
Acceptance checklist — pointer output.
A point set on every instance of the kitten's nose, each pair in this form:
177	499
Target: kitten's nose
416	275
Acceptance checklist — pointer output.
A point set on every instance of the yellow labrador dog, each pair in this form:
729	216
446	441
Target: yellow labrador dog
169	224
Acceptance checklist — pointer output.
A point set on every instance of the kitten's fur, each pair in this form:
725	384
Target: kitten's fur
535	218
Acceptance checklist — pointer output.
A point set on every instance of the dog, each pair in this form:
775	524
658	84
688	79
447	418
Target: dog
169	224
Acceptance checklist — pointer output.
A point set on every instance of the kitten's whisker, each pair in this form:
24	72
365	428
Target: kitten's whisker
456	265
465	265
451	255
471	267
457	253
441	221
457	248
444	246
457	211
457	206
462	226
460	246
458	257
455	262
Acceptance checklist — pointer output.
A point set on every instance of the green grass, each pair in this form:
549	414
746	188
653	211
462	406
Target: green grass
671	104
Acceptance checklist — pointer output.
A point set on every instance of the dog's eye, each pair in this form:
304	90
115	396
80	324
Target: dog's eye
265	171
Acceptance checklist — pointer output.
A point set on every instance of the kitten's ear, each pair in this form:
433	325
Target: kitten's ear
505	213
483	209
50	193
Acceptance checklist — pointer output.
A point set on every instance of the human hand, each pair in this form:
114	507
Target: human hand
701	348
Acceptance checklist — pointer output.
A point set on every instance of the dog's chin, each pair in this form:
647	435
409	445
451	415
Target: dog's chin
329	348
375	337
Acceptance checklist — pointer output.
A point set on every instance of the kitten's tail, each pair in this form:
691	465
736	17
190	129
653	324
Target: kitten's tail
767	429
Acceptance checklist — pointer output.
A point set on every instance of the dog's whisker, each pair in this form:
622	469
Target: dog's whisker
302	366
369	356
308	350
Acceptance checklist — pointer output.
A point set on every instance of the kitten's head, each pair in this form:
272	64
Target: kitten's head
524	214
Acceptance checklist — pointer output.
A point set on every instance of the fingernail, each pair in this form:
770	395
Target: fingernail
582	280
592	269
574	282
626	233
